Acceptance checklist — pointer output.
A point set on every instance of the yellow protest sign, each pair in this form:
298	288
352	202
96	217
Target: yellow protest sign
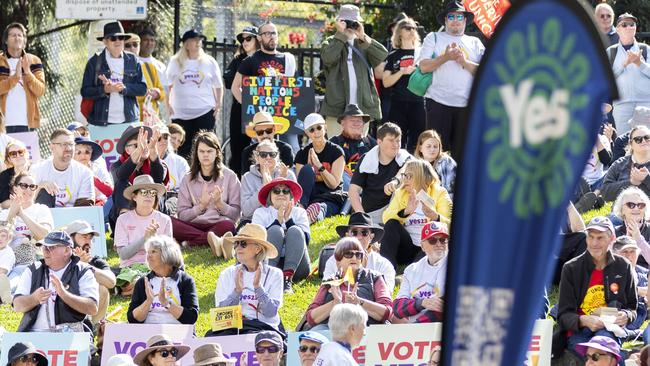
226	317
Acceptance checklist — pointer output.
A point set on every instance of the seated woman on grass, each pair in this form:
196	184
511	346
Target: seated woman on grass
287	228
135	226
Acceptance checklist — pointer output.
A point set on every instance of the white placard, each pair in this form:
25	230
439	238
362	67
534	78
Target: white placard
101	9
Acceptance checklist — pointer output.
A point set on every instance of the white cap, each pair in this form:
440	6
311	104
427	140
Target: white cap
313	119
120	360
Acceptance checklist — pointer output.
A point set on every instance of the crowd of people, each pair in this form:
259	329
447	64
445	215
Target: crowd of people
379	149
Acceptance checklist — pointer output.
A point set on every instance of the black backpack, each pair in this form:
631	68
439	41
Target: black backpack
325	253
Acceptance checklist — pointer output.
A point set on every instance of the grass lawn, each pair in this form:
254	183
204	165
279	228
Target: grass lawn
201	265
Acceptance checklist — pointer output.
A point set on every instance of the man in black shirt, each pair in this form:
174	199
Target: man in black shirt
264	128
82	235
353	140
268	61
370	190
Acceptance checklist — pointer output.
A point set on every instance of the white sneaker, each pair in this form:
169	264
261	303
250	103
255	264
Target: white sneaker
228	246
215	243
5	290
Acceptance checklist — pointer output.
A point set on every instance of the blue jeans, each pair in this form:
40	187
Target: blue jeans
585	334
307	180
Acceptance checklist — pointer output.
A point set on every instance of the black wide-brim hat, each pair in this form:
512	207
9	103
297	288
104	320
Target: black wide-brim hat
452	6
24	348
97	150
113	29
193	33
361	219
128	134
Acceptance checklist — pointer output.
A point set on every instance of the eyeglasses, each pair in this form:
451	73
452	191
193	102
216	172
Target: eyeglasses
269	349
167	352
285	191
640	139
84	152
116	38
352	253
312	349
409	27
247	39
163	137
406	175
315	128
148	192
269	34
267	154
28	358
14	154
632	205
358	232
627	24
68	145
31	187
434	241
130	45
131	146
267	131
595	356
460	17
605	16
241	243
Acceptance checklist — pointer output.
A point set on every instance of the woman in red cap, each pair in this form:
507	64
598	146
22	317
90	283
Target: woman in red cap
287	228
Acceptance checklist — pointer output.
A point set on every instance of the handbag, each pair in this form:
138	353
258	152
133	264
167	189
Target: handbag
87	104
419	81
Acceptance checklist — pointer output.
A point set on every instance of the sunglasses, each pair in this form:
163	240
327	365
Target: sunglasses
406	175
312	349
164	137
315	128
640	139
32	187
28	358
595	356
247	39
267	131
351	254
361	232
14	154
605	16
167	352
269	349
148	192
434	241
409	27
452	17
116	38
84	152
632	205
627	24
241	243
285	191
267	154
130	45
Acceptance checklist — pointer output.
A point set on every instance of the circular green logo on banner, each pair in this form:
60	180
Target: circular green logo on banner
534	134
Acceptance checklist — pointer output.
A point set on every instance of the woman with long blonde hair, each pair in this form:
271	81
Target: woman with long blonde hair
196	89
419	199
429	148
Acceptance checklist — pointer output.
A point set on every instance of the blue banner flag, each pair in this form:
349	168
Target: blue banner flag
534	113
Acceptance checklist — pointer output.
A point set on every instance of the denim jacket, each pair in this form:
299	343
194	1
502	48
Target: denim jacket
94	89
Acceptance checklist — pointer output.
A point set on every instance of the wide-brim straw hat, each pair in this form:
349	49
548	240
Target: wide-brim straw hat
155	343
143	181
255	233
264	119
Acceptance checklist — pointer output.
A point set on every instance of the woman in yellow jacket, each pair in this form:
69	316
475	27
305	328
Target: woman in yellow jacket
408	212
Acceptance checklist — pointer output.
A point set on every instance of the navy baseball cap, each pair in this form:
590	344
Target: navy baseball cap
56	238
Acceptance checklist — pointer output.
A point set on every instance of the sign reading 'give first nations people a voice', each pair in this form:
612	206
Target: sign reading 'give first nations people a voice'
534	113
101	9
